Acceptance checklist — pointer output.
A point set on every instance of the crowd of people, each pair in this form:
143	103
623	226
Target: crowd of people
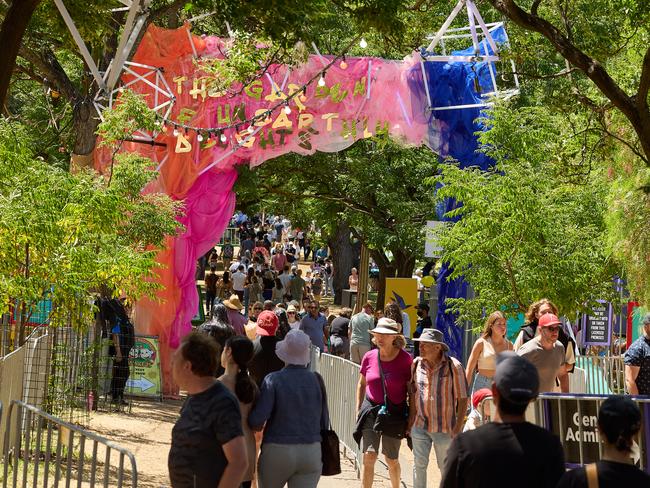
246	372
264	266
242	380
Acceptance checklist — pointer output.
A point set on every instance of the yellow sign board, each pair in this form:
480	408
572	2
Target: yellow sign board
404	291
144	360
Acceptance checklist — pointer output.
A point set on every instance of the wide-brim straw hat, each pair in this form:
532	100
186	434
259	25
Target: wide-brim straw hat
233	303
294	348
387	326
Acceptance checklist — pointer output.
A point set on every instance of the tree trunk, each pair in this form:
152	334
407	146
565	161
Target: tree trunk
404	263
342	256
85	120
386	270
11	36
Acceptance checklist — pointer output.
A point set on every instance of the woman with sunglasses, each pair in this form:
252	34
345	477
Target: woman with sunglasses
292	317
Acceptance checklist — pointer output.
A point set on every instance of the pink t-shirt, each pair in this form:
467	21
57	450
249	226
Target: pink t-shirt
279	260
397	373
238	321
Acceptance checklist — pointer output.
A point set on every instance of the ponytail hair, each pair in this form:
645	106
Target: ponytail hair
619	420
241	349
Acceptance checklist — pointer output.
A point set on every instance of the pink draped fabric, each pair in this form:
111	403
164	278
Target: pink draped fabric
361	97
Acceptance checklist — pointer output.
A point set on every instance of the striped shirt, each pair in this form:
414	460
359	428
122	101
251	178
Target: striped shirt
437	389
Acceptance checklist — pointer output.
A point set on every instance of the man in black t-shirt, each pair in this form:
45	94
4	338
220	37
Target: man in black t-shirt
208	447
509	452
340	334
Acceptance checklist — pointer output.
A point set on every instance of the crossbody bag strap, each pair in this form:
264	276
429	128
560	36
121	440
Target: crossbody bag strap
383	379
592	475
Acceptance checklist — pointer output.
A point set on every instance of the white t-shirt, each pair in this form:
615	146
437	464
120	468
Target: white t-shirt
238	280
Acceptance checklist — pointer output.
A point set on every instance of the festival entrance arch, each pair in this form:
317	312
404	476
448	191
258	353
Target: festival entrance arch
326	104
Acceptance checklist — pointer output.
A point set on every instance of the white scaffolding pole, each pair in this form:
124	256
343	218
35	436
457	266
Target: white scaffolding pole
80	43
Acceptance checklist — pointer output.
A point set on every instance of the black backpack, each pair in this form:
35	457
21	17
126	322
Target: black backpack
121	319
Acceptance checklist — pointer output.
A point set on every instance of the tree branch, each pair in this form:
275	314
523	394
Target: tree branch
330	198
46	62
590	66
559	74
644	83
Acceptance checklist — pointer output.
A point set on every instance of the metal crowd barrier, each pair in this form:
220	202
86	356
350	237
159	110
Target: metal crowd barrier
604	375
574	419
40	449
231	233
341	377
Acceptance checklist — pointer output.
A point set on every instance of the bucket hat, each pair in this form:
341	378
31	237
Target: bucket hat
434	336
386	326
294	348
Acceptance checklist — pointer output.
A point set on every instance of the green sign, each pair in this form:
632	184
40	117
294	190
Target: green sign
199	318
144	360
637	321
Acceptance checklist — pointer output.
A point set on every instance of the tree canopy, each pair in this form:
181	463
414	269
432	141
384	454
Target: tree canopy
526	231
584	68
69	236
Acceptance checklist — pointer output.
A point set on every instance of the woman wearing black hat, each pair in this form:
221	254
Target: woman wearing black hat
619	421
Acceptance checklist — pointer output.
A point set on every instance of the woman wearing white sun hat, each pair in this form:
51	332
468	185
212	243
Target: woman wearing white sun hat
395	368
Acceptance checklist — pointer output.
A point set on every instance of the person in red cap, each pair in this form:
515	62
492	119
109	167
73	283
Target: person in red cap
547	353
481	409
265	360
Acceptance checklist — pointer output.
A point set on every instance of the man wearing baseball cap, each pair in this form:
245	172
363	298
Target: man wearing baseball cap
508	452
547	353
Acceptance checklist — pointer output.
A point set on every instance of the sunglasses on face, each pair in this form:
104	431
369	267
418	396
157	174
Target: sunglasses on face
291	313
553	329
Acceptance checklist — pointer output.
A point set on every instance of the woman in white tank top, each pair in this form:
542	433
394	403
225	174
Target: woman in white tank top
483	357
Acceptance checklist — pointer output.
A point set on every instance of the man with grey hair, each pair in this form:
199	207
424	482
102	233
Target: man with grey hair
637	362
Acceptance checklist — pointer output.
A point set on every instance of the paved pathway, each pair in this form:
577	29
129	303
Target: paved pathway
146	432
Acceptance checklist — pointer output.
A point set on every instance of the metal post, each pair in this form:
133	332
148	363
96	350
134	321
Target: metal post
362	288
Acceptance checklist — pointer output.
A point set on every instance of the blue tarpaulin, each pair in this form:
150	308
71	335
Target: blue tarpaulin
456	84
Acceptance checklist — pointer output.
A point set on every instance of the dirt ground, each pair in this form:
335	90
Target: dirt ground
145	430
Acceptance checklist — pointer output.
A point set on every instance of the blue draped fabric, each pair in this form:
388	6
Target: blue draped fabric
455	84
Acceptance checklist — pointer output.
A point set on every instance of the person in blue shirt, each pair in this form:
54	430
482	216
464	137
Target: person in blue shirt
315	325
292	405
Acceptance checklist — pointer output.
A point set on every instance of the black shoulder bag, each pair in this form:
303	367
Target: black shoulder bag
391	419
329	444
